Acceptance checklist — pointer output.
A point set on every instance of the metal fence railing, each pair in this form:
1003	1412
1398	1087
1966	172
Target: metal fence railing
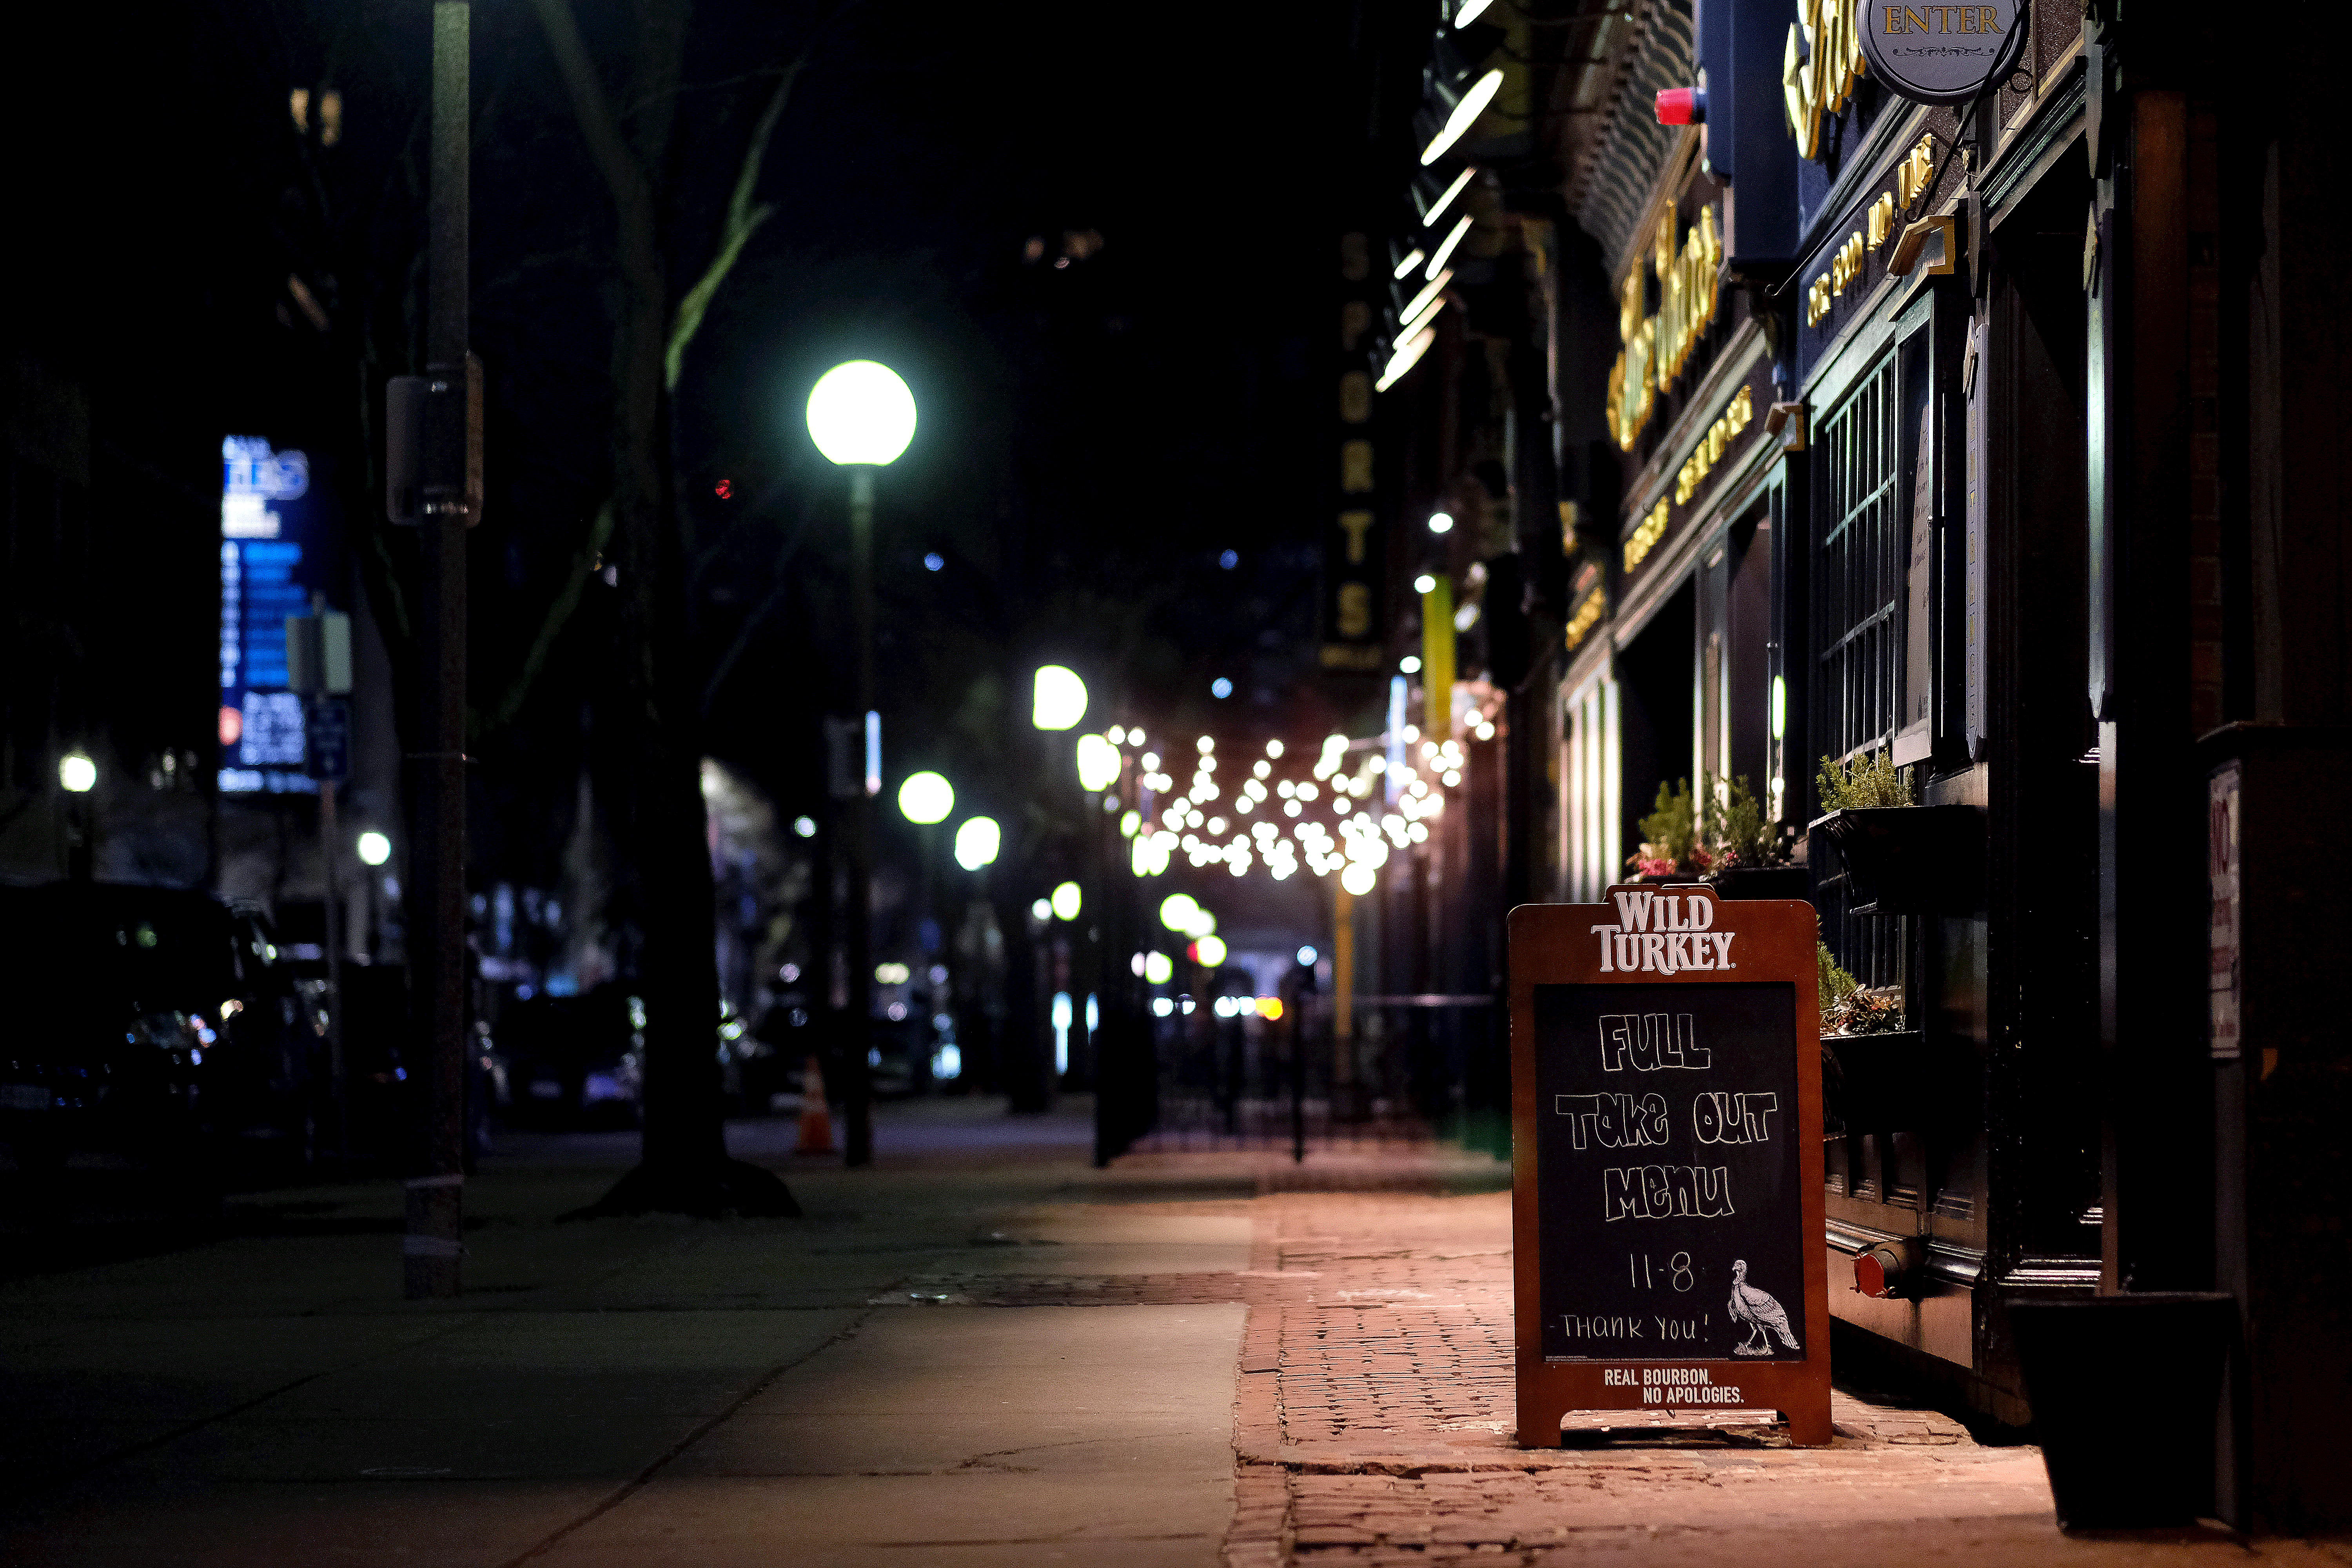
1395	1069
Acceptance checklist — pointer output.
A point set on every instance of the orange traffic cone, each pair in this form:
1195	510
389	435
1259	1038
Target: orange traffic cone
816	1116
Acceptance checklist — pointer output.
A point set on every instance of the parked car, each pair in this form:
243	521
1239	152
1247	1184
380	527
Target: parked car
573	1061
156	1022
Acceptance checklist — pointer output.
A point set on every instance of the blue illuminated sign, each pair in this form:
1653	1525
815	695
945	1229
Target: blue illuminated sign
266	523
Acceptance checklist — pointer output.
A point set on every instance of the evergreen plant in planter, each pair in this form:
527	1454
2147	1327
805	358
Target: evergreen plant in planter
1671	850
1871	1066
1719	835
1899	858
1751	854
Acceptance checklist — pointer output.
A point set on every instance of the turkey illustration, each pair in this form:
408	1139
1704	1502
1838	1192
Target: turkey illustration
1761	1314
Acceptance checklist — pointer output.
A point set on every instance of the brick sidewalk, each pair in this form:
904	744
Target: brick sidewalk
1374	1417
1374	1424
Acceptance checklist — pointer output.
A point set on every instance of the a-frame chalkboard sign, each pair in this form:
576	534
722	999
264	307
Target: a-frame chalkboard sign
1666	1151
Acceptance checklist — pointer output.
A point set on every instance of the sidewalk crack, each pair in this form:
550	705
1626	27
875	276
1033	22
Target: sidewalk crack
638	1482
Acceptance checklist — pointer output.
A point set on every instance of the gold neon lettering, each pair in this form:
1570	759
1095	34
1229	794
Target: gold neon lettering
1688	297
1819	65
1735	418
1586	614
1882	219
1355	609
1846	265
1356	524
1916	172
1644	537
1657	347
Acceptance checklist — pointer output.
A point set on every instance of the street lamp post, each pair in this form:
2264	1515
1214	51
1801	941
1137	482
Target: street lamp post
433	1246
78	775
1057	702
861	417
373	849
1099	765
925	800
977	840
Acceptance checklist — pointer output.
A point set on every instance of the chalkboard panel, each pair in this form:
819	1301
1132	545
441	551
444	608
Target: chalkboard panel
1669	1200
1666	1226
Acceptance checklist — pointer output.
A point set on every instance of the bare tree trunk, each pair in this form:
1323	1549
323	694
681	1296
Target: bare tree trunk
685	1167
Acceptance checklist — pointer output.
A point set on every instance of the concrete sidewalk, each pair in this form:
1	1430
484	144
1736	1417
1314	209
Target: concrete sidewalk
635	1392
981	1353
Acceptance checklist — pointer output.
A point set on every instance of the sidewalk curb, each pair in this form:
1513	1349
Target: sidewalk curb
1260	1534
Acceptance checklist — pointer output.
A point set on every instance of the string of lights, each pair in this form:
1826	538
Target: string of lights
1343	815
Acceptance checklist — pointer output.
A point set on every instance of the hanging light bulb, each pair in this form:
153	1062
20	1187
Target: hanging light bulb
1466	113
1444	251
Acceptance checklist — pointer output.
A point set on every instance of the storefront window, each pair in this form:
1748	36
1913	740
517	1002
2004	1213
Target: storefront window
1858	586
1590	806
1858	573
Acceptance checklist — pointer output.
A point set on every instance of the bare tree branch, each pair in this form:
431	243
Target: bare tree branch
551	627
593	107
780	585
744	220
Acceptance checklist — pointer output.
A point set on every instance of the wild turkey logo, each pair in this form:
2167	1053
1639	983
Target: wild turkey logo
1761	1313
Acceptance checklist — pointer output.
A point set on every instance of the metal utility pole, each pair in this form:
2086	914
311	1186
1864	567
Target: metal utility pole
319	666
858	1085
330	835
448	503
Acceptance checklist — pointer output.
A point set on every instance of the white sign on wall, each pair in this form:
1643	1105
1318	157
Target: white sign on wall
2224	946
1942	54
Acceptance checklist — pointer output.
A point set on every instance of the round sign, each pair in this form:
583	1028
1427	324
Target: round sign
1942	54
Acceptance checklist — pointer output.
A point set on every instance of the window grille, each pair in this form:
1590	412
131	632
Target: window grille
1859	583
1858	572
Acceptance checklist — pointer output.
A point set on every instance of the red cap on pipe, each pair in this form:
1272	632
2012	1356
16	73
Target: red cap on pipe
1682	105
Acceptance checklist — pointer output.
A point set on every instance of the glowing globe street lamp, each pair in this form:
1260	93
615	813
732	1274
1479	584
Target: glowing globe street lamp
1058	701
926	798
76	772
1098	762
977	842
861	417
861	414
372	848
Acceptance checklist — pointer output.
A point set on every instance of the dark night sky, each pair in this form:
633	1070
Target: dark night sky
1092	438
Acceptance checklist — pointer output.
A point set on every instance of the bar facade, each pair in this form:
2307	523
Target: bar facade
1988	441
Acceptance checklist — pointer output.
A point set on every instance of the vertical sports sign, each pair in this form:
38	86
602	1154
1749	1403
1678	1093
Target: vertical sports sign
1355	547
1666	1133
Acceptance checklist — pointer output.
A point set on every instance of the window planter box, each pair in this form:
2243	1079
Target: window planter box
1908	859
1764	882
1876	1083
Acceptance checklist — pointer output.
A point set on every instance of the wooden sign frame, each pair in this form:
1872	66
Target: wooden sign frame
1769	940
